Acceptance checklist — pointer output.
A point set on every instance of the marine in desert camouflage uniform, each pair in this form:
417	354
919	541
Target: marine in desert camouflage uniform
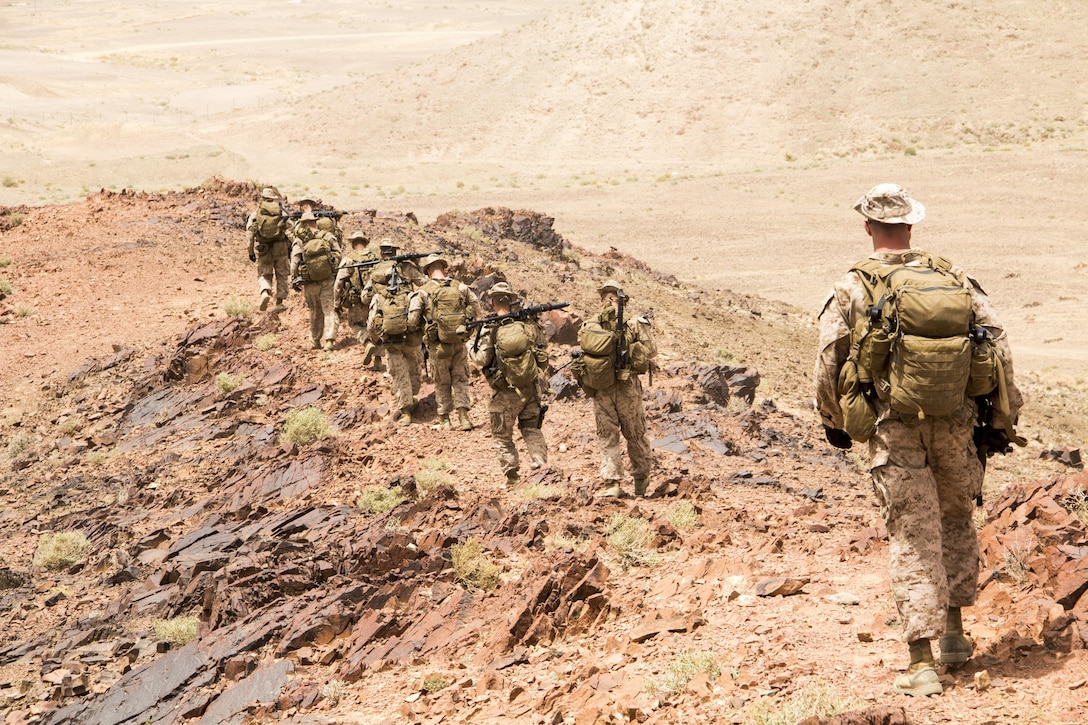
350	287
448	360
318	293
403	353
272	258
618	410
926	472
508	406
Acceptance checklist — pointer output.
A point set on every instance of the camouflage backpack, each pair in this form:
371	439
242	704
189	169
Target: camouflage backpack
915	346
596	368
319	260
446	316
392	311
351	288
270	222
516	354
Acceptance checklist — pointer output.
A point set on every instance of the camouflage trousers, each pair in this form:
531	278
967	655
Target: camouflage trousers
319	299
273	260
926	476
450	376
507	408
620	416
404	362
355	316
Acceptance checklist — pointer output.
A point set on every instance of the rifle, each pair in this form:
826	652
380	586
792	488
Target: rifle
521	314
623	353
395	258
320	214
988	440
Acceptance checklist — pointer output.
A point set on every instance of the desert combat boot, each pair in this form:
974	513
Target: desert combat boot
955	649
921	678
463	419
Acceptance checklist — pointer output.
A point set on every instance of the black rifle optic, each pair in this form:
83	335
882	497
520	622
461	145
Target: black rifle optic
395	258
522	313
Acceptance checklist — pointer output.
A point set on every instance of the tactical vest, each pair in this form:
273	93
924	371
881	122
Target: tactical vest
445	318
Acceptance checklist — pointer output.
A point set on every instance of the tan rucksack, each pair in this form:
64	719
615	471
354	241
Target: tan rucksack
915	346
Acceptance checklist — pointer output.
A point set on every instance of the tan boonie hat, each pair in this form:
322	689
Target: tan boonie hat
307	217
890	204
435	259
269	193
501	289
610	286
306	200
360	237
387	243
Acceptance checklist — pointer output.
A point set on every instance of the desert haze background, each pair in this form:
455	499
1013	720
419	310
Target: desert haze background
721	141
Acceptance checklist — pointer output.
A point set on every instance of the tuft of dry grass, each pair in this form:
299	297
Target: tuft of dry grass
375	500
60	550
266	342
629	537
433	473
237	307
304	426
227	383
178	631
816	699
472	567
682	669
683	515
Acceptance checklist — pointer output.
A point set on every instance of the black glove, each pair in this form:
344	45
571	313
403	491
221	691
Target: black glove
990	440
838	438
296	284
252	256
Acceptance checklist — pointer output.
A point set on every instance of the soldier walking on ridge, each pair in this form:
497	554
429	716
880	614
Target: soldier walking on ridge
269	248
515	398
913	359
447	306
315	257
615	350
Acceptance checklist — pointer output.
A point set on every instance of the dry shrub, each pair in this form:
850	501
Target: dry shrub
60	550
303	427
683	669
178	631
473	568
629	538
375	500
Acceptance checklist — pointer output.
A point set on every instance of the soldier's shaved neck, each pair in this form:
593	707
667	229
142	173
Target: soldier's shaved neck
888	237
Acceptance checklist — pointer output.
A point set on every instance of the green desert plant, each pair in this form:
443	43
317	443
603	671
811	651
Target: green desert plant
472	567
178	631
333	690
682	669
433	473
814	700
375	500
60	550
683	515
237	307
227	383
629	538
266	342
435	682
304	426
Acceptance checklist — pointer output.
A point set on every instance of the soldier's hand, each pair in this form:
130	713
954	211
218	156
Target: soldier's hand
838	438
252	256
296	285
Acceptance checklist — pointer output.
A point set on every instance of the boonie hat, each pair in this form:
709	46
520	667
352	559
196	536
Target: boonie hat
501	289
359	236
435	259
308	216
306	200
269	193
387	243
610	286
890	204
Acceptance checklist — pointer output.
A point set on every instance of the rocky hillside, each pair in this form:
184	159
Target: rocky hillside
230	572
